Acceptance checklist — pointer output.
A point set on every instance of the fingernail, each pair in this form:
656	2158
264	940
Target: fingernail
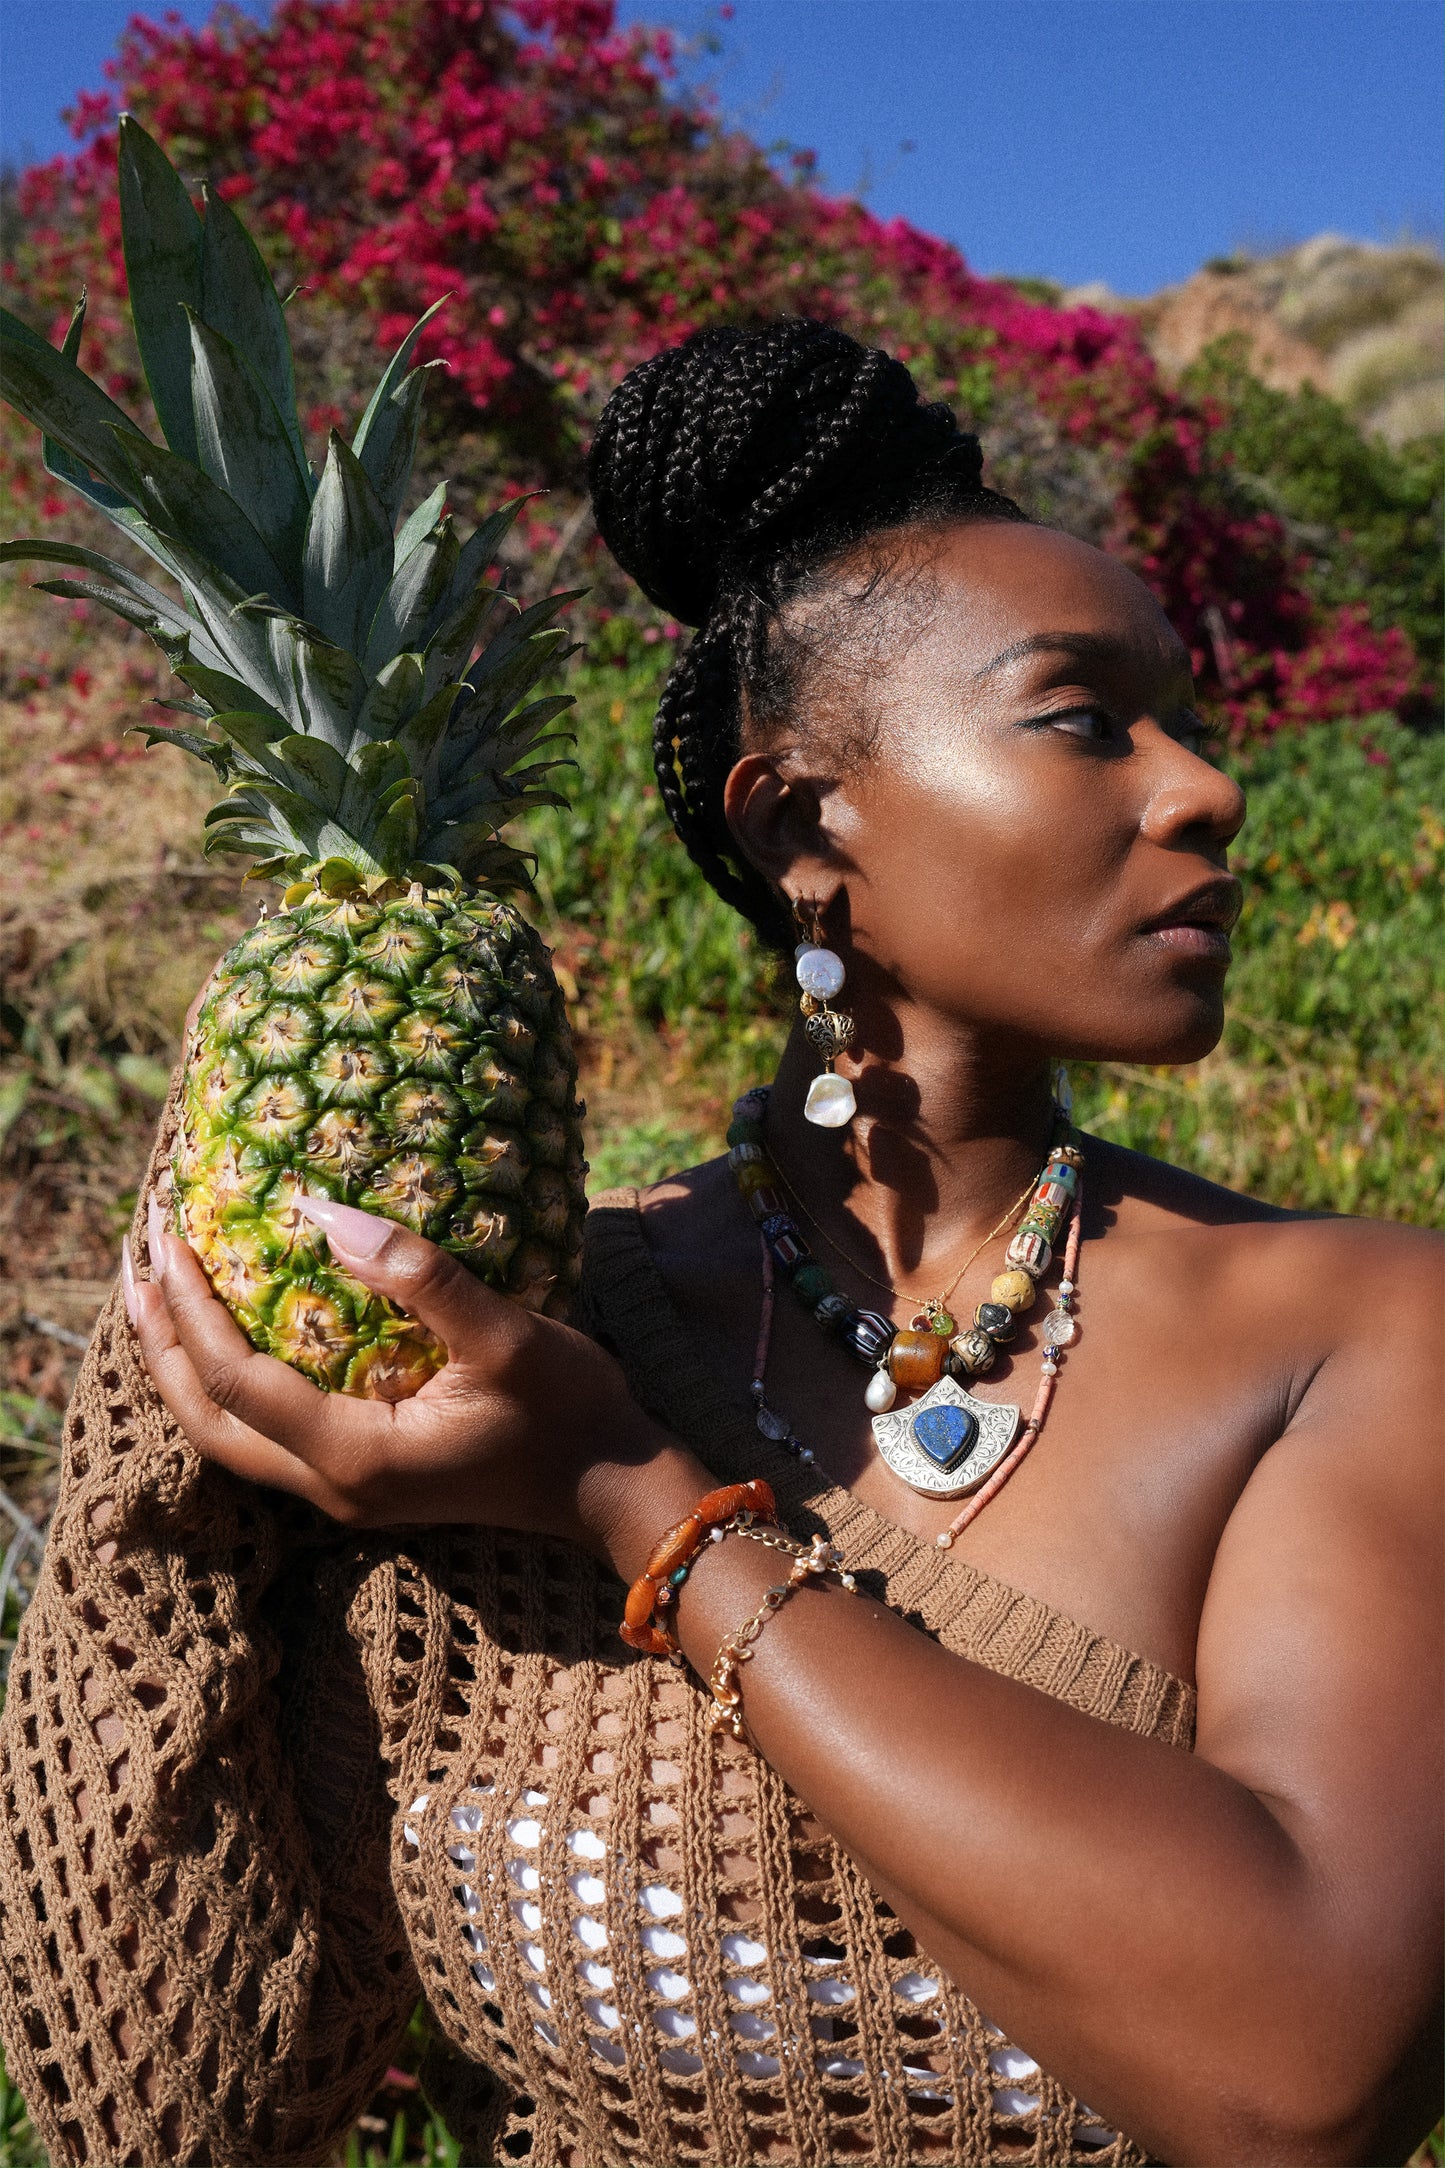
155	1230
361	1234
127	1281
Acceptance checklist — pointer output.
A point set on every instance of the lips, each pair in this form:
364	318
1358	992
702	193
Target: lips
1214	906
1198	924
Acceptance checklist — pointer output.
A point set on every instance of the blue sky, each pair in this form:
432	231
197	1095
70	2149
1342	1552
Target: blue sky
1122	140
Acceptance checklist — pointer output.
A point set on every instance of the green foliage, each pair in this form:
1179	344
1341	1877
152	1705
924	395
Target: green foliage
1326	1092
652	950
1367	517
19	2146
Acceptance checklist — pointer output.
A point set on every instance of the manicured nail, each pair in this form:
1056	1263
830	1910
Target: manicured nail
155	1231
360	1234
127	1280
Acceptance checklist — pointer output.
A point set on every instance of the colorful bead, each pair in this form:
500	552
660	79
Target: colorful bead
1064	1173
996	1319
833	1311
1030	1253
1041	1220
811	1284
1015	1290
782	1235
915	1360
744	1129
868	1336
746	1155
972	1352
765	1203
753	1175
1052	1195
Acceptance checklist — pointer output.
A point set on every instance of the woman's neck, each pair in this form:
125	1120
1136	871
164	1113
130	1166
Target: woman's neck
946	1136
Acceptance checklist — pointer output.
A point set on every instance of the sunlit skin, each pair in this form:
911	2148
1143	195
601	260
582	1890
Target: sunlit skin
1233	1955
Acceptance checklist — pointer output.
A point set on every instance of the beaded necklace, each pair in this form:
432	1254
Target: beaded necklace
948	1444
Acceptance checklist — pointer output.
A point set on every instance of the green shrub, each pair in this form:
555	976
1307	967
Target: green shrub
1367	518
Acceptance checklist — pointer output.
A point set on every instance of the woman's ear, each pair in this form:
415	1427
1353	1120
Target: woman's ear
775	819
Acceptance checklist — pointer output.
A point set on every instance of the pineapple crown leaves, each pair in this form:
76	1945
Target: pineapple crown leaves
364	693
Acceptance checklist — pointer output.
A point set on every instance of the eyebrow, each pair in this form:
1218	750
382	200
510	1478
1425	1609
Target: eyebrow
1095	647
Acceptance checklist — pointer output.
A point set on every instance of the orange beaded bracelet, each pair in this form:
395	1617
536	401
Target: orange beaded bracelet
668	1564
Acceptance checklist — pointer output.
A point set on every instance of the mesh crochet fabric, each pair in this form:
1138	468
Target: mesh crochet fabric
262	1780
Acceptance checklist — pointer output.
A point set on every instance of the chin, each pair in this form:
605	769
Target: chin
1182	1026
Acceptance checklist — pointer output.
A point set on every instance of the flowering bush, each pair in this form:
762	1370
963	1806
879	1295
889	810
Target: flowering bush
542	168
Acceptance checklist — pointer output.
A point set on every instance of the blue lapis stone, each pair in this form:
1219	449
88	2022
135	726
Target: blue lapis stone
946	1435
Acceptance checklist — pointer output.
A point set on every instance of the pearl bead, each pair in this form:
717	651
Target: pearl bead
830	1103
881	1393
820	973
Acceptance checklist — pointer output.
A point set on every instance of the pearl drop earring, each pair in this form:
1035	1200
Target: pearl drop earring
830	1103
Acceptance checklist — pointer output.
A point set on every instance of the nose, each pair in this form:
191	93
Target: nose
1189	799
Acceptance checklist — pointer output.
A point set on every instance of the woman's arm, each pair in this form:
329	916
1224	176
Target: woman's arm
1234	1954
200	1955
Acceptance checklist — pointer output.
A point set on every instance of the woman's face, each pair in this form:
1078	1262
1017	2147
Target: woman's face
1035	844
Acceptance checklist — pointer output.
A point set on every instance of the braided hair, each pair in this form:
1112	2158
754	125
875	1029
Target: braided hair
731	473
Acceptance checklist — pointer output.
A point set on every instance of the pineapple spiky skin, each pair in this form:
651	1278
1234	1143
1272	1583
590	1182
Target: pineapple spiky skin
401	1050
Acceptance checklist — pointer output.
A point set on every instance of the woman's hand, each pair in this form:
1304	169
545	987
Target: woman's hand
529	1425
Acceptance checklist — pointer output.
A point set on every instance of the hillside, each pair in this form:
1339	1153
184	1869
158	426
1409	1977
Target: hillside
1360	321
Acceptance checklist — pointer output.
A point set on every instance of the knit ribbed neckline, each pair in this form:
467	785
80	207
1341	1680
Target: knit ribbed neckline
630	1300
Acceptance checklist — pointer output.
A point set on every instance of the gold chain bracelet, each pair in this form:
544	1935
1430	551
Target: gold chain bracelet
810	1563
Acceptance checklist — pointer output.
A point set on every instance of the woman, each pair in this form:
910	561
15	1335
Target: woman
930	1864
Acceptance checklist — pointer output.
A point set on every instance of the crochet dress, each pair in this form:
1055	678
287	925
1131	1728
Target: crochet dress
346	1771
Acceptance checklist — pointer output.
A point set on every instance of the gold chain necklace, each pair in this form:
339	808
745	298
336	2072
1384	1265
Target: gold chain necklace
933	1307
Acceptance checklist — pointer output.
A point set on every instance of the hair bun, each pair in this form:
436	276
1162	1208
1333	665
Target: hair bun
727	449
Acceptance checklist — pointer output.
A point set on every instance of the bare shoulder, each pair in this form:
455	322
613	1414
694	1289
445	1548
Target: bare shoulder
1148	1196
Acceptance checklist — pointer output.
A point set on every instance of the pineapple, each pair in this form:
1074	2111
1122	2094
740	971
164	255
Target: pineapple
393	1037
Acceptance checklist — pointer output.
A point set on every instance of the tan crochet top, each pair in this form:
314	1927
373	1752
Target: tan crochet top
356	1769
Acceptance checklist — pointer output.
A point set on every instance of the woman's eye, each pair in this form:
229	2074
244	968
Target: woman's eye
1081	722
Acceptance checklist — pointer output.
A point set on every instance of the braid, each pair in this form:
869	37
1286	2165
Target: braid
726	474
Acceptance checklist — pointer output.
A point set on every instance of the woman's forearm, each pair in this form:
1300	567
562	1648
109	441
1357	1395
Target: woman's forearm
1136	1917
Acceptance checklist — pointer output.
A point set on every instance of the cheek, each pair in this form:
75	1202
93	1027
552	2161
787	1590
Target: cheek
974	870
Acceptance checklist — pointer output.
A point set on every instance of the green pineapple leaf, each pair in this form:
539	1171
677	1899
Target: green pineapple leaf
328	688
415	599
391	446
347	564
62	402
243	445
251	739
54	457
140	594
315	769
161	239
392	698
419	524
373	443
189	741
480	550
394	837
239	299
187	507
222	693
